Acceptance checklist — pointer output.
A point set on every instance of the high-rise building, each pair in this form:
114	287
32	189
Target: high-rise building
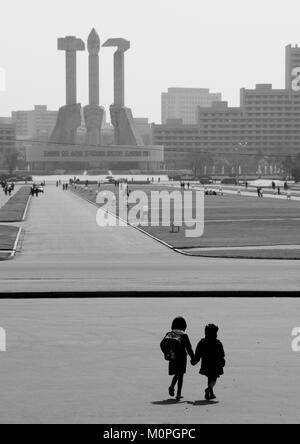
7	138
292	62
35	124
182	103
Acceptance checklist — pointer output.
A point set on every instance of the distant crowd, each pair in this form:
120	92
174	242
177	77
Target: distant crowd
37	189
7	187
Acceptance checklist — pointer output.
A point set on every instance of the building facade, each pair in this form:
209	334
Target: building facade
48	157
7	139
182	103
178	140
143	128
35	124
292	62
266	124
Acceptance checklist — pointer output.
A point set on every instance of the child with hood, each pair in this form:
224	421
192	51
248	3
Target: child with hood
211	353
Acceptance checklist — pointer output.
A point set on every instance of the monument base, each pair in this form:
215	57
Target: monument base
124	126
68	120
93	116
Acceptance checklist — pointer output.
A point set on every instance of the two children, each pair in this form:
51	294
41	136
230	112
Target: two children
176	345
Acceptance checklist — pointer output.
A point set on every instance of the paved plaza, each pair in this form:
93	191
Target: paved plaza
63	249
99	361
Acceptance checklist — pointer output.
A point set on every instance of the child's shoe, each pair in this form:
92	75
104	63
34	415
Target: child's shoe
171	391
207	394
211	394
179	397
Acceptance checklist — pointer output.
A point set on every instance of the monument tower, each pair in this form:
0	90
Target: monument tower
69	116
93	113
121	117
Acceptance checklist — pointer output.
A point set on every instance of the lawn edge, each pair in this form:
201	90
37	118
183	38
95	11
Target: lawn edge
11	253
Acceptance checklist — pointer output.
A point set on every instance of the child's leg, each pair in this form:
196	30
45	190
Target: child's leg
179	385
172	386
174	381
211	384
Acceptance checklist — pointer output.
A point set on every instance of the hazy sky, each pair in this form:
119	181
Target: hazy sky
216	44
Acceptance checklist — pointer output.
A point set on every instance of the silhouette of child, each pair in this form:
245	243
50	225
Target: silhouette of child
177	365
211	353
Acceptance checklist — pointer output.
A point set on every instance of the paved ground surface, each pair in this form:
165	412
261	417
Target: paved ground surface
64	249
99	361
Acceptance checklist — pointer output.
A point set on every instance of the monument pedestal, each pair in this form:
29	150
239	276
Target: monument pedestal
124	126
68	120
93	116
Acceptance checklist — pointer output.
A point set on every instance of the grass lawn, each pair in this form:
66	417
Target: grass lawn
231	221
14	209
7	237
250	254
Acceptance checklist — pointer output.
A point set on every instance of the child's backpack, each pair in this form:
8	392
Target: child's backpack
171	346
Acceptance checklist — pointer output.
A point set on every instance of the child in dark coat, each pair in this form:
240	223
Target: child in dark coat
211	352
178	362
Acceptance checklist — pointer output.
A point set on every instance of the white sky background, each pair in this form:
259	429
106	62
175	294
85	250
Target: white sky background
218	44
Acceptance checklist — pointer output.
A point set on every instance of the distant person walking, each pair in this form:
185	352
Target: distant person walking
211	353
175	346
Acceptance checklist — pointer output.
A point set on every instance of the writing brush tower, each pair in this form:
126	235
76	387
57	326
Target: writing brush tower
93	113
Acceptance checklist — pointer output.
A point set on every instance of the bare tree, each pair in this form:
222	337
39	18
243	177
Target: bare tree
198	160
296	168
287	165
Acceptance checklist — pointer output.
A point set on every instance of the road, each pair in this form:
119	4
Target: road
98	361
63	249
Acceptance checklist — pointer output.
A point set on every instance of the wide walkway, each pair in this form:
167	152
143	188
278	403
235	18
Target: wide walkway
99	361
64	249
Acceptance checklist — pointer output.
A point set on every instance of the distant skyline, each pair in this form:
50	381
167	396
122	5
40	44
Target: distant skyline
223	46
